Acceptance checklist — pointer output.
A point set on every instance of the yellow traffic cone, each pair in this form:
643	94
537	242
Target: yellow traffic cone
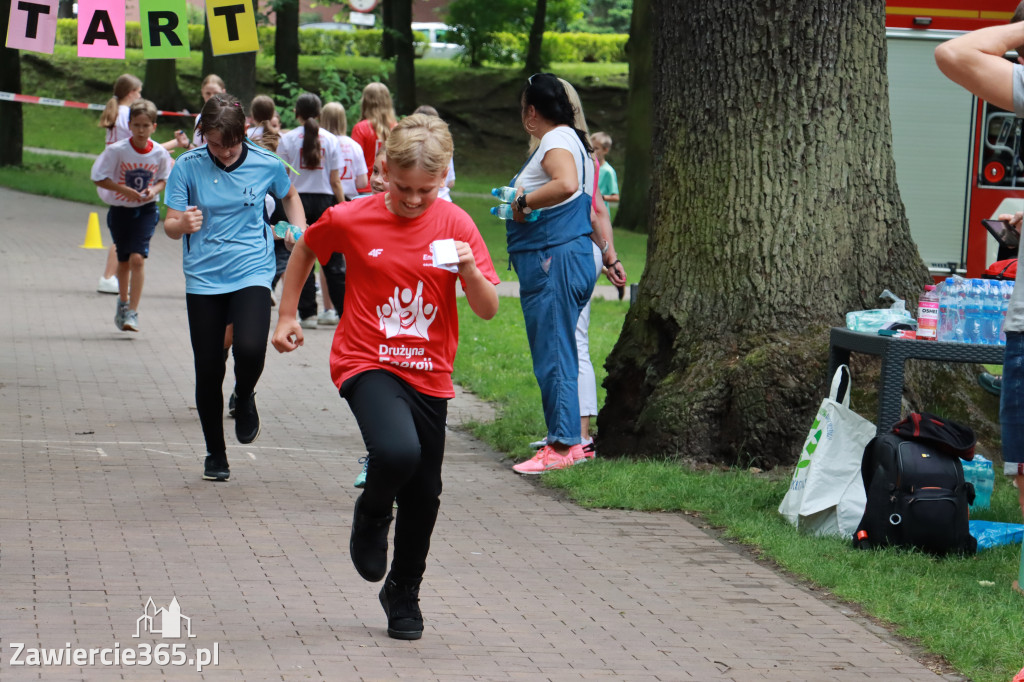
93	240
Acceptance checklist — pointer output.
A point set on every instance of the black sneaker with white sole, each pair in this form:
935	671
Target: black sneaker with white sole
247	420
401	603
216	468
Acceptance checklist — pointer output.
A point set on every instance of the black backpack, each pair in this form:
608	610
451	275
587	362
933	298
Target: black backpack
916	493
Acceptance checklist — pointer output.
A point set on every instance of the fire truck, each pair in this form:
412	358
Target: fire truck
958	159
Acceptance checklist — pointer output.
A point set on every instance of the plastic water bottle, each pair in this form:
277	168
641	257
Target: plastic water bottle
504	211
928	314
947	310
504	194
960	310
991	302
980	473
282	228
972	311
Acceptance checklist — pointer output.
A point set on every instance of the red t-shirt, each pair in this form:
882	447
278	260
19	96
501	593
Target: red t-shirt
400	313
366	137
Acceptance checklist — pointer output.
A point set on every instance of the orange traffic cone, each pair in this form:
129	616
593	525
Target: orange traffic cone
93	240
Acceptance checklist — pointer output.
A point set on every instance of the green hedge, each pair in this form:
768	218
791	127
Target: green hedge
509	48
504	47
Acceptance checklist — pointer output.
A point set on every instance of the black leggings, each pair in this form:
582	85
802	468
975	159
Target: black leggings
314	206
208	316
403	431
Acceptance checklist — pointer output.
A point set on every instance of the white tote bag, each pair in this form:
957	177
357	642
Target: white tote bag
826	495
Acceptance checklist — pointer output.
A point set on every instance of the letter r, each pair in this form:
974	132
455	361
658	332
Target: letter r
163	24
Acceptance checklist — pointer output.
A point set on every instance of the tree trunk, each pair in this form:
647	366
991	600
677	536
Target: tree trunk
12	131
286	40
161	85
534	61
387	22
404	83
65	9
635	188
775	211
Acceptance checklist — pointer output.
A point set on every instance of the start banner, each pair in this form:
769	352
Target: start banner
32	26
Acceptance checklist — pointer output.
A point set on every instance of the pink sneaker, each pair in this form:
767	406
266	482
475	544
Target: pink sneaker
546	459
584	452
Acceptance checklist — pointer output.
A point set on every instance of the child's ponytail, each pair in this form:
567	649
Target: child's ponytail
307	107
124	85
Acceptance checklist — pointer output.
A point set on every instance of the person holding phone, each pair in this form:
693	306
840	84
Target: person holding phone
975	61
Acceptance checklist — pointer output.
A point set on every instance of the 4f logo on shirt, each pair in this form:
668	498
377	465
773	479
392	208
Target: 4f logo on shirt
375	252
407	314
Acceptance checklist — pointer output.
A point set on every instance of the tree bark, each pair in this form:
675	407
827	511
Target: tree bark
161	84
534	60
387	22
404	83
286	40
12	138
635	187
774	211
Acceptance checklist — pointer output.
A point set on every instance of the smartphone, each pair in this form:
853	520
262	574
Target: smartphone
1004	234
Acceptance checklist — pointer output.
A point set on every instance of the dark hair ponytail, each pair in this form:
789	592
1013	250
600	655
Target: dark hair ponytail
307	107
545	92
223	113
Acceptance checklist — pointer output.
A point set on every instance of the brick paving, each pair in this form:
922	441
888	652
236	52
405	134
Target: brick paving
102	508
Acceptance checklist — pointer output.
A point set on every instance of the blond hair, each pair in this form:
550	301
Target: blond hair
377	108
602	140
420	141
143	107
125	85
216	80
333	118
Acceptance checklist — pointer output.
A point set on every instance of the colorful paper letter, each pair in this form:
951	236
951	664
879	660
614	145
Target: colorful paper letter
100	29
164	29
232	26
33	25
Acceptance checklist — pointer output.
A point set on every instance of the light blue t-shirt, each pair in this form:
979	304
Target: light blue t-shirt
233	249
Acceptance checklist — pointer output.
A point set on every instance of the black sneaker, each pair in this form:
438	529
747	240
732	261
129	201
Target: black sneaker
216	468
231	404
402	604
247	420
368	544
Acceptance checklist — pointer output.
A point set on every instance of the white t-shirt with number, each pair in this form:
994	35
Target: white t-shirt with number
353	164
125	165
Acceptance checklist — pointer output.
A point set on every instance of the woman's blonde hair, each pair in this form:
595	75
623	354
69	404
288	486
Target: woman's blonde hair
421	141
333	118
377	108
123	86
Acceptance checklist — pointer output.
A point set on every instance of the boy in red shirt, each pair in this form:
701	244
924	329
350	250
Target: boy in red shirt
392	354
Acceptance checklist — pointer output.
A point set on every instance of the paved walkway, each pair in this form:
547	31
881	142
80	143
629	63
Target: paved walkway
102	509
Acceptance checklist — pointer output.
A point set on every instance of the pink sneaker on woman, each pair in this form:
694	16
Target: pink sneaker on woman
545	460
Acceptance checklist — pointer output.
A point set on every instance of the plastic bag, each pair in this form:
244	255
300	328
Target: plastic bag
881	318
992	533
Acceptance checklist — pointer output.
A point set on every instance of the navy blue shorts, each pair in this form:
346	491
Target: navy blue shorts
1011	399
131	228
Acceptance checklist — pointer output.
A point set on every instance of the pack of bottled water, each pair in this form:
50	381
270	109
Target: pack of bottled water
973	310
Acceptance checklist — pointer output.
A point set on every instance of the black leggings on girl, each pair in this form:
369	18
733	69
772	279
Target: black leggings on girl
208	316
403	431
